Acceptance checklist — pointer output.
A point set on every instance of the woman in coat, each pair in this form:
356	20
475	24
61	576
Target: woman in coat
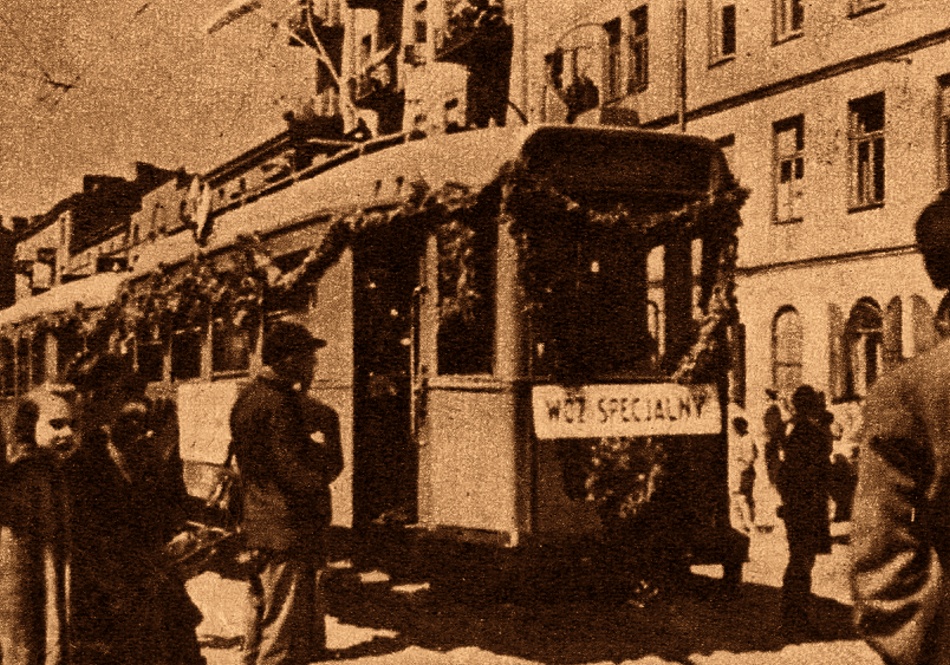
35	545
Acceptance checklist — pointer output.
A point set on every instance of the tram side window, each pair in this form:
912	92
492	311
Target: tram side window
466	287
150	356
186	353
38	351
68	348
230	347
7	368
22	365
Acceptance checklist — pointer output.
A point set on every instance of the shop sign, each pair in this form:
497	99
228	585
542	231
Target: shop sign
631	409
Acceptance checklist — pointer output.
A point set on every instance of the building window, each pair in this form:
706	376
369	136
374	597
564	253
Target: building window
612	68
639	51
724	30
420	25
789	19
863	338
787	350
789	167
866	138
943	130
862	6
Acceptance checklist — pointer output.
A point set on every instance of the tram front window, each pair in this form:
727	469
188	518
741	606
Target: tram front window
595	322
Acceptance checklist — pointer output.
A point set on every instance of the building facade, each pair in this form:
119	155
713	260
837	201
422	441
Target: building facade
833	115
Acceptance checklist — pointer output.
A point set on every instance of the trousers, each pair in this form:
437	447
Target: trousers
286	611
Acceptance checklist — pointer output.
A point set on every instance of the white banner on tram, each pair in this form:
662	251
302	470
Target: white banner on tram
632	409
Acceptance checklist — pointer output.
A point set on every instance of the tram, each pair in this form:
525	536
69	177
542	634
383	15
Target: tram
529	329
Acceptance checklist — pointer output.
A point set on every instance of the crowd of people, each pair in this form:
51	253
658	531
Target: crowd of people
92	491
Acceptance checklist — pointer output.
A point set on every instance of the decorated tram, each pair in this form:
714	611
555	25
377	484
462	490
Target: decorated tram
529	330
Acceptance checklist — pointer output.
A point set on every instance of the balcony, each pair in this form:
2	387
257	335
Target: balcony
414	55
368	4
329	33
476	31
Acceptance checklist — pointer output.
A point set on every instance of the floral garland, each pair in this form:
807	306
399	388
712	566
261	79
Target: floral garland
621	474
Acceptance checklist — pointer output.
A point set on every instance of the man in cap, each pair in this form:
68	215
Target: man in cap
282	454
900	535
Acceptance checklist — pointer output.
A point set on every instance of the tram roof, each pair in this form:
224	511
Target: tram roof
91	292
378	173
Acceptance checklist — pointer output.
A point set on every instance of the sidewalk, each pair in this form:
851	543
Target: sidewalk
376	620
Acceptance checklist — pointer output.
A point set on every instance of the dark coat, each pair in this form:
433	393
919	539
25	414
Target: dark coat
900	536
287	448
127	604
803	485
34	563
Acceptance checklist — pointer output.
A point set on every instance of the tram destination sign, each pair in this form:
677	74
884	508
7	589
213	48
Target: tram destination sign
629	409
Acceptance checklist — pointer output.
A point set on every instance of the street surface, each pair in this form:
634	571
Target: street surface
374	620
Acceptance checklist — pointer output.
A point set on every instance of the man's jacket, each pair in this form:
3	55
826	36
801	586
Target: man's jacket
288	452
900	535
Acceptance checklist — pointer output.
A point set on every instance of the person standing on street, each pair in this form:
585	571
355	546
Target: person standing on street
35	543
281	451
900	534
803	487
128	604
742	473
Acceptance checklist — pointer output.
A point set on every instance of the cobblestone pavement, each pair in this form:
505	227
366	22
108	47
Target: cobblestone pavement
375	620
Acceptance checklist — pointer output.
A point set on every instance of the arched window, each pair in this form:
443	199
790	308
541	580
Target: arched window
787	347
922	315
893	333
863	339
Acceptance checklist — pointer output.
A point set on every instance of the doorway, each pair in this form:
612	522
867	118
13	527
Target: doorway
385	457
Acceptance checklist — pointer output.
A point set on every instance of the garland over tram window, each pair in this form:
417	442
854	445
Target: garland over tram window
621	474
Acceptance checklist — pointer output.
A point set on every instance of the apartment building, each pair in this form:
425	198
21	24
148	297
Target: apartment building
835	117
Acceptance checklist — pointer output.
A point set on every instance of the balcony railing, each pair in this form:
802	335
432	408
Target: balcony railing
330	33
474	31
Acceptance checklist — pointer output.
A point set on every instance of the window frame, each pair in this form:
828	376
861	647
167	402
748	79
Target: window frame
638	50
613	61
796	168
221	326
867	176
200	336
943	131
786	14
781	367
720	38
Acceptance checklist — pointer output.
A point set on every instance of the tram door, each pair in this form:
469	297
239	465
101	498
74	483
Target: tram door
385	459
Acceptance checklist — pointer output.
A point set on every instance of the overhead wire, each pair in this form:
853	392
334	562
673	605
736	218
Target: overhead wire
57	86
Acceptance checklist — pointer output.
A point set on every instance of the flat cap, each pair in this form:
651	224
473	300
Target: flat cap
285	338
